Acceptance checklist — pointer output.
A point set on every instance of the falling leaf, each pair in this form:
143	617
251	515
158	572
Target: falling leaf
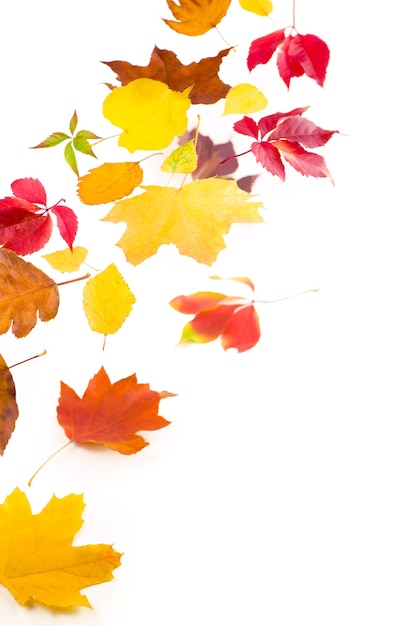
109	182
67	260
8	406
297	55
24	291
234	319
182	160
107	301
201	77
260	7
244	98
37	559
196	17
110	414
149	113
195	218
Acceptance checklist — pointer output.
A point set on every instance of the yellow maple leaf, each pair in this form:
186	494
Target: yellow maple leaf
196	17
182	160
260	7
244	98
195	218
107	301
37	559
150	113
109	182
67	260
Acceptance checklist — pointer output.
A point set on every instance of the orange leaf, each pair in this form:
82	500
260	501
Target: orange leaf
111	414
164	66
109	182
25	291
8	407
196	17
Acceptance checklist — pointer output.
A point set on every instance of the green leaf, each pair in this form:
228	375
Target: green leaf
52	140
87	134
73	123
70	158
81	144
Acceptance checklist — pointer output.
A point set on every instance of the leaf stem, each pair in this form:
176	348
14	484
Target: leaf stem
224	40
47	461
294	13
29	359
73	280
294	295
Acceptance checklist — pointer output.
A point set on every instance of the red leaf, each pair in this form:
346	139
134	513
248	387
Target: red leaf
67	223
303	54
30	189
269	157
301	130
10	216
307	163
11	203
247	126
261	50
197	302
267	123
28	236
242	330
210	323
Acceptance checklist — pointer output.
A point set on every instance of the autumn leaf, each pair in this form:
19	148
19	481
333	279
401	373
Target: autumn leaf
25	293
107	301
110	414
260	7
182	160
297	55
37	559
67	260
244	98
26	227
196	17
8	406
149	113
195	218
201	77
109	182
234	319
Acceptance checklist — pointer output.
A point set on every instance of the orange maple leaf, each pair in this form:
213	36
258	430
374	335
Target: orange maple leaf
164	66
196	17
111	414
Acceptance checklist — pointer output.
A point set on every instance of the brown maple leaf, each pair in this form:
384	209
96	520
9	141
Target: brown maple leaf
164	66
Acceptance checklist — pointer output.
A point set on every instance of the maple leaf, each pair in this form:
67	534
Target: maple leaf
9	411
149	112
297	55
195	218
196	17
201	77
37	559
79	142
26	227
25	291
109	182
234	319
110	414
284	135
107	301
67	260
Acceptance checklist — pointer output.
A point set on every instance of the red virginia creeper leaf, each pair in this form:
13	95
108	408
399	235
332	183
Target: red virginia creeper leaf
303	131
242	330
67	223
247	126
197	302
303	54
267	123
30	189
262	49
269	157
307	163
28	236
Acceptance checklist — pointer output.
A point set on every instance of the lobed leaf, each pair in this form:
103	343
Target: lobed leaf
196	17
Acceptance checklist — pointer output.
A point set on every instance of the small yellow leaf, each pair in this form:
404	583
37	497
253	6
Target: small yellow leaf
107	301
67	260
149	113
244	98
182	160
109	182
260	7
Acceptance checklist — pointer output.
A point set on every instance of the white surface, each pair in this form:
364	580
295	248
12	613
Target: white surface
282	493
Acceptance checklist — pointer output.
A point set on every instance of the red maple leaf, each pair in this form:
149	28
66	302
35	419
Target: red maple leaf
234	319
287	135
110	414
26	227
297	55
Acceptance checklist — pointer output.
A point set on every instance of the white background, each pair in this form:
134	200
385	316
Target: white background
283	492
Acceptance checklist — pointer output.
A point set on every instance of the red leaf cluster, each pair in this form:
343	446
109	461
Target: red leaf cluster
26	227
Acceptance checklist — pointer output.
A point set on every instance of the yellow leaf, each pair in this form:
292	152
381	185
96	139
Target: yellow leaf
244	98
150	113
182	160
37	559
67	260
260	7
196	17
195	218
107	301
109	182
